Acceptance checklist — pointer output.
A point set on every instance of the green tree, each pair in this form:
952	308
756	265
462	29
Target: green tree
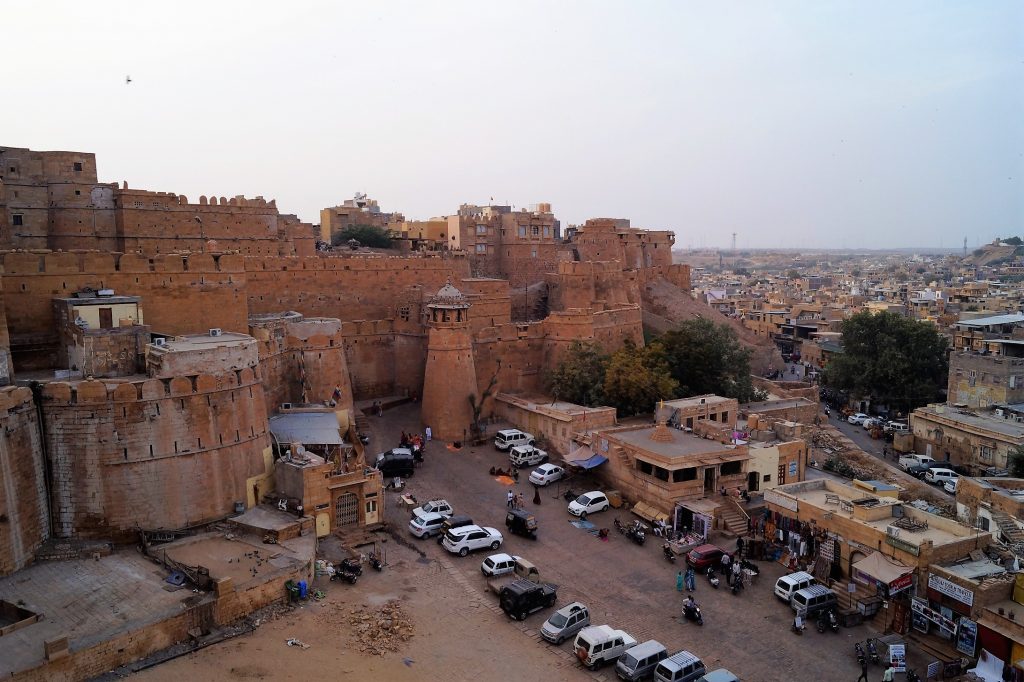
900	362
637	378
1012	241
792	274
579	377
708	358
366	235
1015	462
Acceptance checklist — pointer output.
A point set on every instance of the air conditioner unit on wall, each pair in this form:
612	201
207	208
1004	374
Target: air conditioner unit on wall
160	343
216	331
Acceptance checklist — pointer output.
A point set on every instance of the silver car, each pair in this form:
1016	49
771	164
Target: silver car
565	622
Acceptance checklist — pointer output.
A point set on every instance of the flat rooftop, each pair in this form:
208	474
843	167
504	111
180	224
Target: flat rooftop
815	492
696	401
90	601
540	403
1006	427
781	404
192	342
682	445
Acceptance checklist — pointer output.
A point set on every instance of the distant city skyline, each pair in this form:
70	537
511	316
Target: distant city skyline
824	125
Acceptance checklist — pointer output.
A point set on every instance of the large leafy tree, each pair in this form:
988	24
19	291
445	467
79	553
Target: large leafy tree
579	377
637	378
894	360
704	357
366	235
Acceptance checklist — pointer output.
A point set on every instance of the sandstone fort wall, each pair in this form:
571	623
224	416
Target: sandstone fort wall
24	517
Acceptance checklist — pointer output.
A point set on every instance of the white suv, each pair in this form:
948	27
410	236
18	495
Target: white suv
512	437
465	539
434	507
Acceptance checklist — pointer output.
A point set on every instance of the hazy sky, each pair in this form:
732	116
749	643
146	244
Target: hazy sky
858	124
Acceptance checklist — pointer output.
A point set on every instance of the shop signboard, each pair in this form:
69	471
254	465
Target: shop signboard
903	582
951	590
946	626
967	637
903	545
784	501
898	657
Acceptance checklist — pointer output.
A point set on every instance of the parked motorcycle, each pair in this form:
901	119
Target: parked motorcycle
873	651
912	676
669	554
821	622
798	625
569	495
341	574
635	533
737	583
352	566
860	653
712	578
618	525
693	613
375	561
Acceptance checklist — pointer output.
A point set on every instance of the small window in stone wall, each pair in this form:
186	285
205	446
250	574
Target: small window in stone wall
403	313
78	166
766	478
17	219
680	475
730	468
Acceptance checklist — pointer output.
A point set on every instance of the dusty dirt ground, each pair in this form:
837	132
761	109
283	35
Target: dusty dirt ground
441	613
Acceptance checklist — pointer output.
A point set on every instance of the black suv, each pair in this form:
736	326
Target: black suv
523	597
396	462
456	521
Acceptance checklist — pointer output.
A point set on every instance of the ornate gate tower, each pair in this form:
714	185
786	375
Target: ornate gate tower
450	375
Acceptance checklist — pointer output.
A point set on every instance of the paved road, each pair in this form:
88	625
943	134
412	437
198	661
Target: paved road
862	439
626	586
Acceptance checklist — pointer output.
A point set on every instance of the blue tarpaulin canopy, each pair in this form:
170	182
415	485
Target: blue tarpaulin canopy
585	458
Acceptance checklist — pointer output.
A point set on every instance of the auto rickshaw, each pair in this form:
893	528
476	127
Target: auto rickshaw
522	523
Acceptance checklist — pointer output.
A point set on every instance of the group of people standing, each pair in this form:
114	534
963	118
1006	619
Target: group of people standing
515	500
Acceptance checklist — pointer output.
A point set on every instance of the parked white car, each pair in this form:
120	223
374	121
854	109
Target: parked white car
872	422
499	564
950	486
466	539
425	525
856	418
546	473
588	503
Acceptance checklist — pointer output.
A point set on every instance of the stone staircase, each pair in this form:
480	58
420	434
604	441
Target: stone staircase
1008	528
734	519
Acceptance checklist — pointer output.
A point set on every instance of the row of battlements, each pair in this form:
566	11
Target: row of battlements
170	200
93	391
586	268
334	262
44	262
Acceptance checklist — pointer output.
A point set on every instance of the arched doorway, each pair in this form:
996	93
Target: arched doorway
346	510
855	556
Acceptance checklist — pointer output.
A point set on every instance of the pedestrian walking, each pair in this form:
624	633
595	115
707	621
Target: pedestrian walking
691	580
679	580
428	433
739	545
520	502
889	674
511	498
863	671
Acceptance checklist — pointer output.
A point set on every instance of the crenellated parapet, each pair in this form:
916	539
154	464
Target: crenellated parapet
165	452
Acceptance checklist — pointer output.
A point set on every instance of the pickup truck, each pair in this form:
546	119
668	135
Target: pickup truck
915	460
523	597
523	570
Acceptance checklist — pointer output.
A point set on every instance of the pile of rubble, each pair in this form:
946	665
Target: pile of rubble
381	631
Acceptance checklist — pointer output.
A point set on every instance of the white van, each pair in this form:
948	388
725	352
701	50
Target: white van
788	585
638	662
938	475
680	667
512	437
600	644
812	600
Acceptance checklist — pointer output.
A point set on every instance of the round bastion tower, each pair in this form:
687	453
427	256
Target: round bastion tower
450	376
